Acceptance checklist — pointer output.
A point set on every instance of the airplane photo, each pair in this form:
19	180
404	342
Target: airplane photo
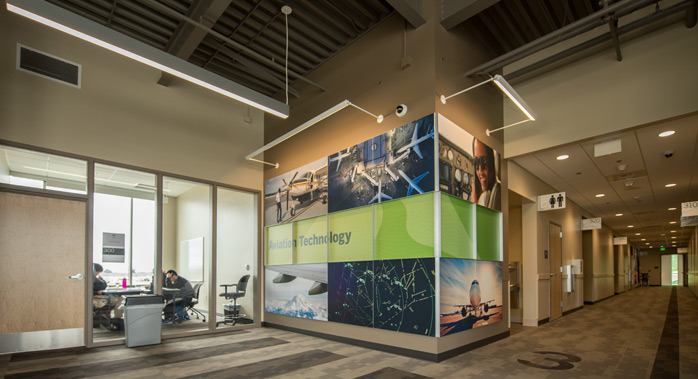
297	290
298	194
379	195
382	163
412	183
476	306
415	141
471	311
308	187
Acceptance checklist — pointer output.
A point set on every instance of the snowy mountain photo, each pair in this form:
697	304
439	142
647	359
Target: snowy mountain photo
292	297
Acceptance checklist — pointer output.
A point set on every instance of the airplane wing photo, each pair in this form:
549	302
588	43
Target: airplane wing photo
288	273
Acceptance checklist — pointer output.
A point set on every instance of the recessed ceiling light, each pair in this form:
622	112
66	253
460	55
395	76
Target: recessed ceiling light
672	209
663	234
673	231
562	157
619	214
631	226
673	237
637	234
647	243
651	246
670	185
643	239
601	195
672	222
666	133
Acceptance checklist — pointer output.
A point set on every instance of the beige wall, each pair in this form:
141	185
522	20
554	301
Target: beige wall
121	114
656	80
692	268
194	221
368	73
620	257
651	263
599	276
237	246
169	233
536	268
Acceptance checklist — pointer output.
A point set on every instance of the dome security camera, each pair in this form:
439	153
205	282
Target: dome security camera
668	153
401	110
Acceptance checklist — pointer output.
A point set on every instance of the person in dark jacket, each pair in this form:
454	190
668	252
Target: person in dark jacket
182	298
99	299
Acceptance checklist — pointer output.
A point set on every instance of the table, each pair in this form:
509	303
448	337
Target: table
170	294
126	291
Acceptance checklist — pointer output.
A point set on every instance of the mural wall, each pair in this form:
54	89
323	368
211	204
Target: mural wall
359	247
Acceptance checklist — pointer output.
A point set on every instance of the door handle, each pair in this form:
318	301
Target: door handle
551	275
78	277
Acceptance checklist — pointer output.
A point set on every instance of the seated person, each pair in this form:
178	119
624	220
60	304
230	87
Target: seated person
183	298
99	299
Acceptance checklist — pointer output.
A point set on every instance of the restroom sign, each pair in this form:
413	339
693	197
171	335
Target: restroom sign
552	201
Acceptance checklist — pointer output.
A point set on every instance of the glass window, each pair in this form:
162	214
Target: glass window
40	170
186	249
237	256
124	231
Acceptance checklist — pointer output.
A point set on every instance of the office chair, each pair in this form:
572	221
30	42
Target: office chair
232	310
194	301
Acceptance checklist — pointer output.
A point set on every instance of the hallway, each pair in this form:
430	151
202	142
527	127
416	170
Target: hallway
647	332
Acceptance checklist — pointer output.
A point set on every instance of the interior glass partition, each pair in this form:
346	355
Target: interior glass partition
123	251
186	249
35	169
236	246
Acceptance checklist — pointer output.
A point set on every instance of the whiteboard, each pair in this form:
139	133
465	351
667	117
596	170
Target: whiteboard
191	259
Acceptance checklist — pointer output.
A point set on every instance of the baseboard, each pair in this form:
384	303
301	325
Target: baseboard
543	321
465	348
565	313
597	301
393	349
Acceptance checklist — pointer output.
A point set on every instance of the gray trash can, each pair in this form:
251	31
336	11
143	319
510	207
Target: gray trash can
143	320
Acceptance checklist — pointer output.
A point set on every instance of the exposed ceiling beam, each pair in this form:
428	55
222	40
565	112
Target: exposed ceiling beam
410	10
253	54
187	37
454	12
277	80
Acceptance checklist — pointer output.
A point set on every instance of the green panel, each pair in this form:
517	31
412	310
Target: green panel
311	240
352	235
404	228
279	244
489	234
457	228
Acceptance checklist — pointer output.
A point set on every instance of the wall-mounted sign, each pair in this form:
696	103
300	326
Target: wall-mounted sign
591	223
689	213
552	201
113	247
620	240
682	250
641	253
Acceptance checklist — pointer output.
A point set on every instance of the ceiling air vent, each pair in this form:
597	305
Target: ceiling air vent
48	66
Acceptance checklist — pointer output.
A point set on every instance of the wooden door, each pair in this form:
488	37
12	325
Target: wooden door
42	244
555	248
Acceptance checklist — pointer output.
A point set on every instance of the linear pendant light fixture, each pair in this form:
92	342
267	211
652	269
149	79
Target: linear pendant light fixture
509	92
305	125
80	27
